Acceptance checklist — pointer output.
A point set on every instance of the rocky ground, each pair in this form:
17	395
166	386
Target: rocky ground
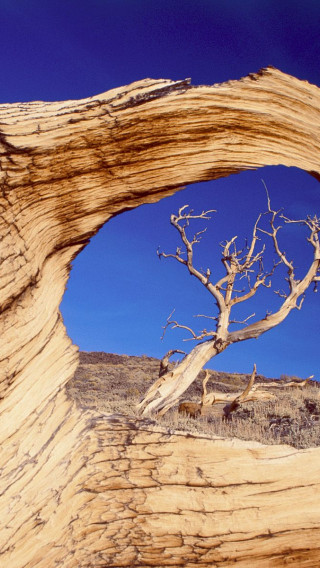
115	383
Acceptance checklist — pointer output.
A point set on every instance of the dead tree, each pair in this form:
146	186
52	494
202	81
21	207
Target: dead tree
251	393
245	264
233	400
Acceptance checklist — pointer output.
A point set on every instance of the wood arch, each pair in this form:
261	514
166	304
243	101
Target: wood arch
80	490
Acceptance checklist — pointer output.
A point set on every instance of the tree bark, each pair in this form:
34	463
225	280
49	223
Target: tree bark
79	490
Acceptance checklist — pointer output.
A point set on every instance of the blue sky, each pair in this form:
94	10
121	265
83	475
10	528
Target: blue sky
119	294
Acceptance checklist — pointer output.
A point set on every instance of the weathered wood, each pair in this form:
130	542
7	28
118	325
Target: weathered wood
78	490
164	393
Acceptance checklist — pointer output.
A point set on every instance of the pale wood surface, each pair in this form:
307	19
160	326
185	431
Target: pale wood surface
79	490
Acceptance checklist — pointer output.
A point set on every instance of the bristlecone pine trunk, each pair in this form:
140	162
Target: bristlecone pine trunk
238	263
83	490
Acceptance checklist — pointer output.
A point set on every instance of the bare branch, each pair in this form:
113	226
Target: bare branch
204	400
215	318
204	333
243	321
234	290
297	288
254	239
175	324
298	306
209	399
181	221
165	327
197	237
189	215
249	394
249	385
177	255
273	234
260	280
280	293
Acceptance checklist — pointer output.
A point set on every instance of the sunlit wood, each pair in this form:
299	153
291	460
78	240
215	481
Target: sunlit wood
243	268
82	490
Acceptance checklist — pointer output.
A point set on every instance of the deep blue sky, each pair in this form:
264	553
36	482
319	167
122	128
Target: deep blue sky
119	294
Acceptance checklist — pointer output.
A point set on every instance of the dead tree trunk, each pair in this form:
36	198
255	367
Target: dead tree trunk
244	264
78	490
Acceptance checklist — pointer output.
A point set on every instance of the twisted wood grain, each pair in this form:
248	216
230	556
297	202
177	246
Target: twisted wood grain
81	490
